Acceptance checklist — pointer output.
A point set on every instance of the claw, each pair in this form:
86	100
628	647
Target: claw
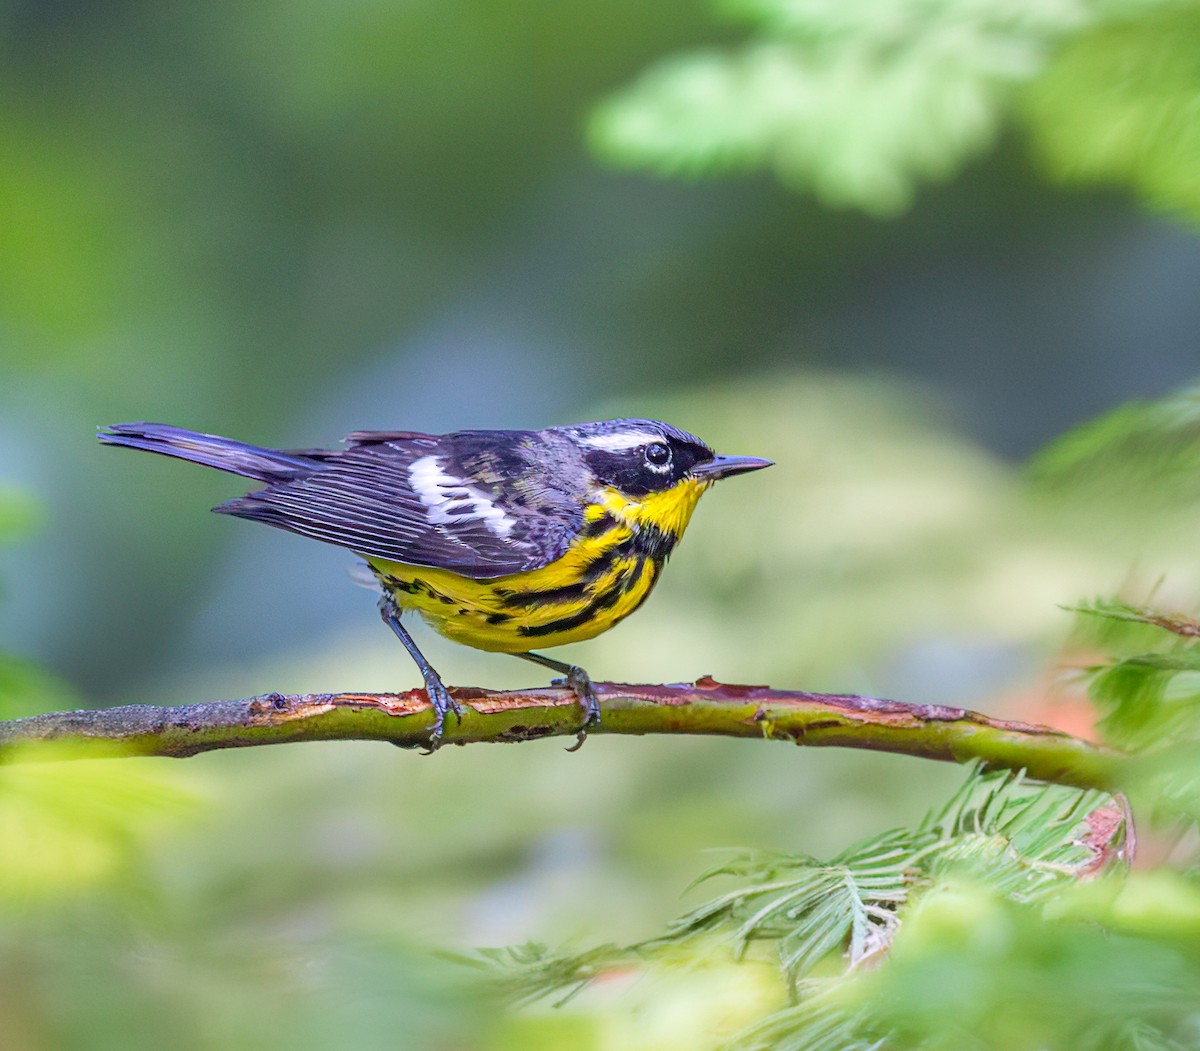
441	702
582	686
577	679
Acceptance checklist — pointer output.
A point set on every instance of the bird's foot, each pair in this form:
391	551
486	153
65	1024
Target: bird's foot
577	680
441	702
581	684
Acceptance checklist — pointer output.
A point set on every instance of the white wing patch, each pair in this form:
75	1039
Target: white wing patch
620	440
451	500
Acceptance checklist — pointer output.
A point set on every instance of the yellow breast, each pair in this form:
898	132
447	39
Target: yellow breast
605	574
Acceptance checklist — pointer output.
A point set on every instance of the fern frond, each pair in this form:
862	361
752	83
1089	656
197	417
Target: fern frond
524	974
812	908
820	1020
1021	838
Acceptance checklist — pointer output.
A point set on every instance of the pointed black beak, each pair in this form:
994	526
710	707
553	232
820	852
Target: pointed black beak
724	466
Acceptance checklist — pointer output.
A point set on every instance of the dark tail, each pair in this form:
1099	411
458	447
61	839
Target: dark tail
266	465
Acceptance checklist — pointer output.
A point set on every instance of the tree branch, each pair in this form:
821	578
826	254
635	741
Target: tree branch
706	707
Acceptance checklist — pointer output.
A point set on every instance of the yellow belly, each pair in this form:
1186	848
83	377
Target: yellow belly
588	590
606	573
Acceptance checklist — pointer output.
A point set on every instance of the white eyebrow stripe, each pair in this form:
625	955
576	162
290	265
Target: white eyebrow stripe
621	440
446	495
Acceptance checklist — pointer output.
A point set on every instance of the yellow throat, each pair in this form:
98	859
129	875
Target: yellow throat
669	510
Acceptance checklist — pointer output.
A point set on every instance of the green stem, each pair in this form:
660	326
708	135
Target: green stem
706	707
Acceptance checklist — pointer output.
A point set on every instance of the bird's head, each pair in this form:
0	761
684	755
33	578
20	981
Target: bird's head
651	474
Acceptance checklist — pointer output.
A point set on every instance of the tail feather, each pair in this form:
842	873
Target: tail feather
225	454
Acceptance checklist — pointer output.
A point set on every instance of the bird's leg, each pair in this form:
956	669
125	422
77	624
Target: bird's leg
435	689
575	677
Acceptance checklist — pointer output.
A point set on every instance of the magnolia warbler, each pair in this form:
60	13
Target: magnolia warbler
502	540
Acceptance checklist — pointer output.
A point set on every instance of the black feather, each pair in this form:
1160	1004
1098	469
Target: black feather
210	450
519	512
363	498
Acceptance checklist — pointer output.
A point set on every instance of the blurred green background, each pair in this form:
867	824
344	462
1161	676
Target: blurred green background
283	222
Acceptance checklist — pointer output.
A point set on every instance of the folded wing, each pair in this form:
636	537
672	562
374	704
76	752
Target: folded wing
409	498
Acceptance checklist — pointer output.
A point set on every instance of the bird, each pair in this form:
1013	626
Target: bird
508	541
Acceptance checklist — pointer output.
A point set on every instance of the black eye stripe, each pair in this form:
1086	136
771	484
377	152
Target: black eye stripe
652	466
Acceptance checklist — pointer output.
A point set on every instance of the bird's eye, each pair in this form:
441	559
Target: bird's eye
658	455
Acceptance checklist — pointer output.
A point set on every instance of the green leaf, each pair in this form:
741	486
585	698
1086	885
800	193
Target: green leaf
1149	700
1122	628
856	103
1148	694
1023	839
827	1017
530	972
1140	453
1118	106
976	971
1148	697
809	908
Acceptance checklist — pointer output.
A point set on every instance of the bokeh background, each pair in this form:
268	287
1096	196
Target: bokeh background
283	222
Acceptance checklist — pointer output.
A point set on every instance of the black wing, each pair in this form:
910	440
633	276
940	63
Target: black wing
480	503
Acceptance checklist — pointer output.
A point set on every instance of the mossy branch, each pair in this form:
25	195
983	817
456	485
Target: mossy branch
705	707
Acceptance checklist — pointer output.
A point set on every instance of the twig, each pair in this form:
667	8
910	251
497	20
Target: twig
706	707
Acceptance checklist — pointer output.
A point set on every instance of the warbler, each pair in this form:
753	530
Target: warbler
507	541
